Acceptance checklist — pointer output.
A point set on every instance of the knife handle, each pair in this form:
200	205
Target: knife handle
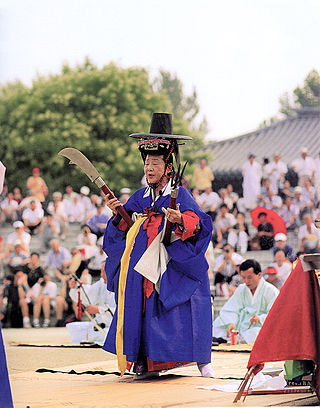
121	210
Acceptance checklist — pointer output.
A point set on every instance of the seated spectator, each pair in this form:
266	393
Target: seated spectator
98	222
87	242
270	275
32	217
308	236
50	231
17	196
302	206
266	186
76	213
234	197
59	258
281	243
308	193
65	306
225	199
248	307
57	210
287	190
13	306
33	270
79	267
225	268
17	259
239	234
223	223
236	278
209	201
283	267
271	201
86	202
43	296
97	260
25	203
265	233
18	235
9	208
290	214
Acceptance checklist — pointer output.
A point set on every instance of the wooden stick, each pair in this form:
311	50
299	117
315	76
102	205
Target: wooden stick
242	386
95	323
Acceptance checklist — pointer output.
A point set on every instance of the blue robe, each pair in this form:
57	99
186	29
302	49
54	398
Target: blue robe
5	391
177	324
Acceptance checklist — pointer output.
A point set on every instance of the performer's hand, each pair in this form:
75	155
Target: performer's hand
231	326
254	320
172	215
113	204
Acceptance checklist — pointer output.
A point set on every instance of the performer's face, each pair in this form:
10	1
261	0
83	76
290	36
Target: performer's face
153	168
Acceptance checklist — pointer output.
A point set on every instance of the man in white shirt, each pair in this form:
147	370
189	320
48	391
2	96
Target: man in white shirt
43	294
209	201
9	208
32	217
224	222
305	166
308	236
283	267
19	235
248	307
276	171
252	173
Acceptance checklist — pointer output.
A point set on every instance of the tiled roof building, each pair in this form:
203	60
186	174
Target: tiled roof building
286	137
301	129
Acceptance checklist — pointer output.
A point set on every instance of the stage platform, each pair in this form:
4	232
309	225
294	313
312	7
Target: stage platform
46	371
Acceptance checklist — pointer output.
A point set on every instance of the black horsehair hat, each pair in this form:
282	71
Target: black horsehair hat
160	139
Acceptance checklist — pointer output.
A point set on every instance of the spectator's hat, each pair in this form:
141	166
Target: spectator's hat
280	237
160	140
304	149
85	190
18	224
100	241
36	170
297	189
16	243
251	155
125	190
270	270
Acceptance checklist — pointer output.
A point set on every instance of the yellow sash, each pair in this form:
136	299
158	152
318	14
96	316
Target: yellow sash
131	236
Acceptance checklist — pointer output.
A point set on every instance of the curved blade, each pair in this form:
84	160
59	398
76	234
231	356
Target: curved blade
76	157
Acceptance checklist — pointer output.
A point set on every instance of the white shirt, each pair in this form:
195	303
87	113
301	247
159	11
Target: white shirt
305	167
25	238
208	201
32	215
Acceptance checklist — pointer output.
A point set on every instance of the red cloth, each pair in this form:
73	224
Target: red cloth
291	330
273	217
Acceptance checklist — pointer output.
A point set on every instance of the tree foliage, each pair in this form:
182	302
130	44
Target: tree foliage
91	109
306	96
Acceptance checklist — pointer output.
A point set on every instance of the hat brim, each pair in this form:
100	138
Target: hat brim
159	136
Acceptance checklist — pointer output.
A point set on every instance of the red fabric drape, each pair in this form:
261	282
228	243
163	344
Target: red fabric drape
292	328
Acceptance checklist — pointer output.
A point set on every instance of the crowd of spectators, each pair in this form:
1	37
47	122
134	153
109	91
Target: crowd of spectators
40	292
34	292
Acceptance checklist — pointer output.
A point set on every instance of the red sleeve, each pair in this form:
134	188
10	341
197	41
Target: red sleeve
191	224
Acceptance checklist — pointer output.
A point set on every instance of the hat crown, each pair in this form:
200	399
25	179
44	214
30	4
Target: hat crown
161	123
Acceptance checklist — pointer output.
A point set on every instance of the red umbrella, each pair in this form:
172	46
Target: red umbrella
272	216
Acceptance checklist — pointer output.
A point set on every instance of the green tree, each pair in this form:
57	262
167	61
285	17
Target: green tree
91	109
306	96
